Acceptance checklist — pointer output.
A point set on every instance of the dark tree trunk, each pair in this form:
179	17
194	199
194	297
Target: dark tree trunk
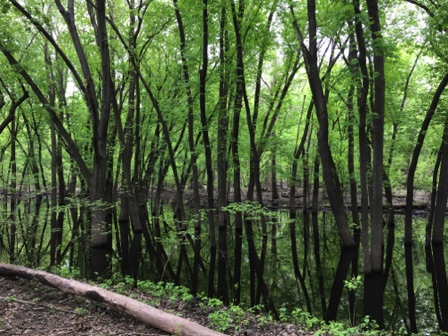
207	145
331	178
100	261
345	260
222	159
408	235
13	191
274	188
437	220
439	210
300	281
351	171
124	224
132	179
363	141
56	230
440	284
373	304
316	238
390	230
160	254
32	253
237	198
305	213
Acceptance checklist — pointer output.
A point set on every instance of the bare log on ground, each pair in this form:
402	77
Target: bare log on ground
145	313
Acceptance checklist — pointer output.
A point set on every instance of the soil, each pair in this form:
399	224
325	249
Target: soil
31	308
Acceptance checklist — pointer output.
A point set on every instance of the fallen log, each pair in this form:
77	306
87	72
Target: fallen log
157	318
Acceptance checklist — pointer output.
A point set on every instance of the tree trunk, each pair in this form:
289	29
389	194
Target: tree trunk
222	158
345	261
351	171
331	178
440	284
316	237
408	236
373	304
13	192
12	119
207	146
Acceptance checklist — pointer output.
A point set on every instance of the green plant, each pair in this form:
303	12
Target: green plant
187	297
370	326
353	284
253	210
81	311
220	320
178	292
66	272
215	303
10	298
304	318
264	319
123	284
283	314
256	309
224	318
238	315
367	327
336	328
154	289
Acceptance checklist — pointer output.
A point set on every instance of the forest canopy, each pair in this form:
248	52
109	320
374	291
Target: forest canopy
198	141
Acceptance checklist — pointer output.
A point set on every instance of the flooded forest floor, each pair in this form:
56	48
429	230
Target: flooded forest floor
420	206
31	308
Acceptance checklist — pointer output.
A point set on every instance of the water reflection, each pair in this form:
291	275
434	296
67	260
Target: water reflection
328	263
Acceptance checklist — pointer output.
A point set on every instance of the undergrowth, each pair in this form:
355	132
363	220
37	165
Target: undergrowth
231	318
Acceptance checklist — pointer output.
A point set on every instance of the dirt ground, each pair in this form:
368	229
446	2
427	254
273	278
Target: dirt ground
31	308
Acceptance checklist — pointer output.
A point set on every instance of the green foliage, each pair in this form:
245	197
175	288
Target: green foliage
220	320
273	44
253	210
81	311
215	303
66	272
224	318
319	327
157	291
353	284
304	318
264	319
10	299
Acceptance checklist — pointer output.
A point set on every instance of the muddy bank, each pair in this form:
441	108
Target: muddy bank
420	205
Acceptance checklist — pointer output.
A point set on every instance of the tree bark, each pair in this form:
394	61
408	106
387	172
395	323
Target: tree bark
331	178
316	237
408	234
207	145
374	281
223	120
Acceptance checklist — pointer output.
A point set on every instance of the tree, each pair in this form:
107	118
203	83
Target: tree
170	128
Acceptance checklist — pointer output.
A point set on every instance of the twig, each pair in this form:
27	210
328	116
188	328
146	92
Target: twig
46	305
